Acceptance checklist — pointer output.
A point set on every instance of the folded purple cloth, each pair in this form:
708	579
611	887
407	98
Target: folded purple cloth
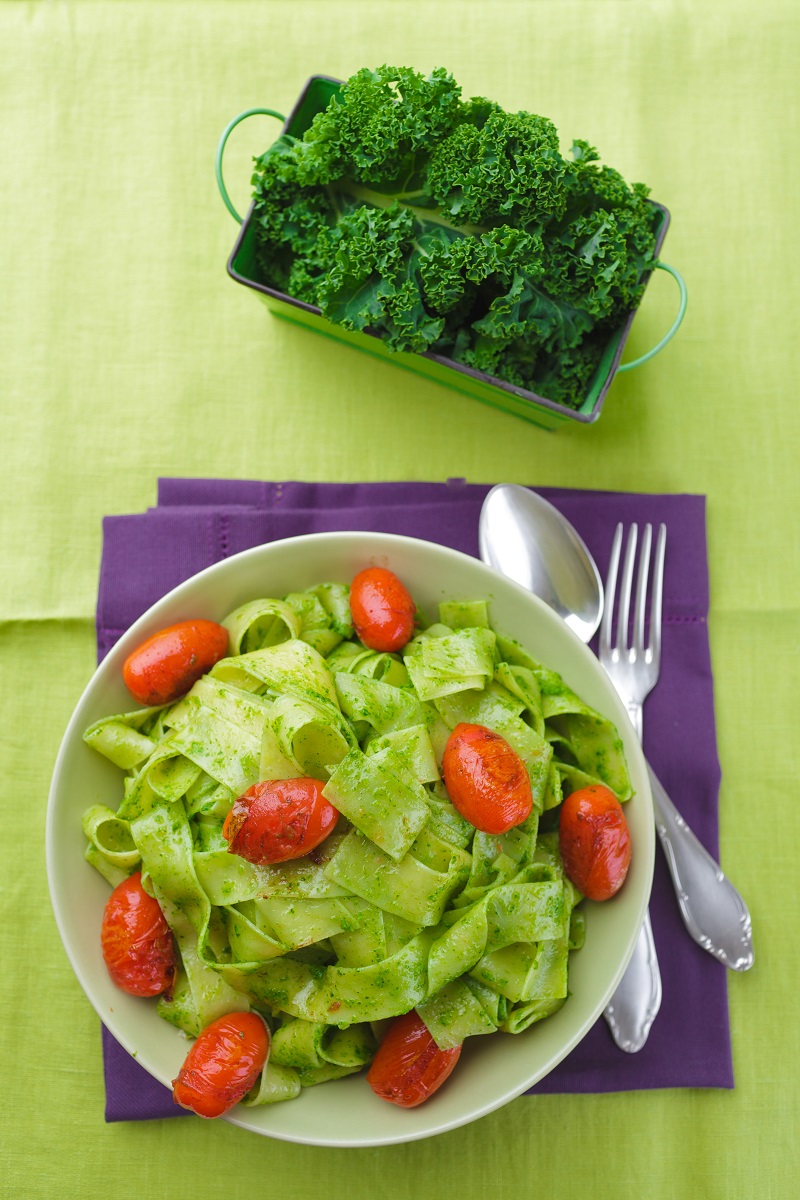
198	522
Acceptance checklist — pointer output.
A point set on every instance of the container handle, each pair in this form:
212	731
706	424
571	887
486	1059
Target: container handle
226	133
670	334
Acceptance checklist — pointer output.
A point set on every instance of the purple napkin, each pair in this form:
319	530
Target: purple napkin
200	521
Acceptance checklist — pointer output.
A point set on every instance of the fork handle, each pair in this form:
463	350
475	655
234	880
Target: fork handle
713	911
634	711
635	1003
634	1006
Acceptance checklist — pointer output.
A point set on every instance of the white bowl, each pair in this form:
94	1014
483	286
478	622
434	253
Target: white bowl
492	1070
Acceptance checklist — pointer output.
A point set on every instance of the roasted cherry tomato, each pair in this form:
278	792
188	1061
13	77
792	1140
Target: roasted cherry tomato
136	940
279	820
382	609
165	666
486	779
409	1066
222	1065
595	842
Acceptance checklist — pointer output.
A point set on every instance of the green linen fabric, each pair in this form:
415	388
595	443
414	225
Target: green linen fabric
126	353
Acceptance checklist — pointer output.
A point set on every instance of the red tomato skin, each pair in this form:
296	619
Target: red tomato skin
382	609
595	841
136	940
165	666
279	820
486	779
222	1065
409	1066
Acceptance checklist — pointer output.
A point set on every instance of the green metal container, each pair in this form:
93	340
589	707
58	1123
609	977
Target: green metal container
243	267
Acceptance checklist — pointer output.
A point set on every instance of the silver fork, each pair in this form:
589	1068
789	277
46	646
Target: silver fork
634	666
633	669
714	913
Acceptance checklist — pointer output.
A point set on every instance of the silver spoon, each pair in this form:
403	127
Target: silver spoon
526	538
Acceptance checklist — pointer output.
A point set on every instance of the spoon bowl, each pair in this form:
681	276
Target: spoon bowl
526	539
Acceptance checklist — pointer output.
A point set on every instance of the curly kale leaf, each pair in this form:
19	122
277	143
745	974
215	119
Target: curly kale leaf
590	264
526	310
506	168
605	241
288	221
373	129
456	267
373	258
561	377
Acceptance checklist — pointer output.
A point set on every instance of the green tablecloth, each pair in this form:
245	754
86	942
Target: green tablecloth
127	353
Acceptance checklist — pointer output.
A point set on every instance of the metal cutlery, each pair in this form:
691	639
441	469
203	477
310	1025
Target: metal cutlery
714	913
633	669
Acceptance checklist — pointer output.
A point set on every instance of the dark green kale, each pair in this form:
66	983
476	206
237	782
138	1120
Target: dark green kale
455	227
498	166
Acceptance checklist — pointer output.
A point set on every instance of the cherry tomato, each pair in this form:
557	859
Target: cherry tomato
486	779
279	820
136	940
595	842
409	1066
222	1065
165	666
382	609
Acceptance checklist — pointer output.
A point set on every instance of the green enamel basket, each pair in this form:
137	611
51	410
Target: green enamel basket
243	267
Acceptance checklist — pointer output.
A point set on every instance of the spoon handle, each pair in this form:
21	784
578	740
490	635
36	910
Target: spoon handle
713	911
635	1004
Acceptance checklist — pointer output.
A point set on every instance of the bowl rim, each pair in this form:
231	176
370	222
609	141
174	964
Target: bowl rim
142	627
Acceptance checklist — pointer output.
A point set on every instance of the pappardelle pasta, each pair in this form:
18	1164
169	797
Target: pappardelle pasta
406	905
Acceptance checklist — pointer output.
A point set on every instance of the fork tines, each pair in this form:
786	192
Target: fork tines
636	645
